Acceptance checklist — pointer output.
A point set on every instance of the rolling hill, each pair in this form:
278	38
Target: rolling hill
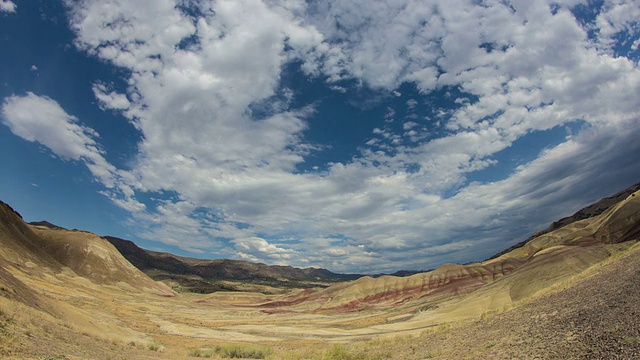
43	249
587	238
570	291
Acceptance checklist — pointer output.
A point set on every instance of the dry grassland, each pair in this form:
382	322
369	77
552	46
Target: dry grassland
71	295
115	322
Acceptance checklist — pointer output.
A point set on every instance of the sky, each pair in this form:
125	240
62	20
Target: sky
357	136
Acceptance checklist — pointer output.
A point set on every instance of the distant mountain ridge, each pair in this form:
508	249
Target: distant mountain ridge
47	225
201	275
207	276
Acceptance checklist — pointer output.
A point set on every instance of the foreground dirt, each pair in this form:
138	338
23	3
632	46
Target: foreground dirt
597	317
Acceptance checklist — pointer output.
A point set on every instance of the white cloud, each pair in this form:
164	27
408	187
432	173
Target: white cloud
7	6
409	125
403	201
255	249
616	17
41	119
111	100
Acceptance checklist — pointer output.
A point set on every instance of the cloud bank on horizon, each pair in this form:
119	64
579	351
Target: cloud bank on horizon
484	121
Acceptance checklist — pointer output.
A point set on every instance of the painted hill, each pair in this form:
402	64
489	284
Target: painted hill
570	292
592	210
587	238
204	276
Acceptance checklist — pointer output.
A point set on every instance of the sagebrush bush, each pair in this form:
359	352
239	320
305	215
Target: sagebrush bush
232	352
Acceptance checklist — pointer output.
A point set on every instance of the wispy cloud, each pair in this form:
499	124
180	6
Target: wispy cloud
41	119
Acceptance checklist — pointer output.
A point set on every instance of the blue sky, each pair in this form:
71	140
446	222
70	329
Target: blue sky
356	136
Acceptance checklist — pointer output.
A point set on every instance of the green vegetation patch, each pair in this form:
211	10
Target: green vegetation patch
356	352
5	323
154	346
232	352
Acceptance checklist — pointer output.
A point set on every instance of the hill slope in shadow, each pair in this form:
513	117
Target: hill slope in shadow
205	276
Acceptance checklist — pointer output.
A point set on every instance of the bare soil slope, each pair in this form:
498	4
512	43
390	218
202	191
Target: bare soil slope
38	251
520	273
94	258
569	293
595	317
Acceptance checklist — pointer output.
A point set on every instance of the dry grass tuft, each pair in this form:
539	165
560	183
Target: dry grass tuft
232	352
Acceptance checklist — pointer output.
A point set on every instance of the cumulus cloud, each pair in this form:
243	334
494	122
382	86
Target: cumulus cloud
8	6
618	17
256	249
196	78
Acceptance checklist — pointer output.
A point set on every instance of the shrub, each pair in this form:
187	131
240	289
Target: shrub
154	346
337	352
203	353
232	352
245	352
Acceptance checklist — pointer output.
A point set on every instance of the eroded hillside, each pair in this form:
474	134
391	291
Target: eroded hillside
544	260
69	293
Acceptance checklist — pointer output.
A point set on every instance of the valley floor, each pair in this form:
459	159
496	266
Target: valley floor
594	316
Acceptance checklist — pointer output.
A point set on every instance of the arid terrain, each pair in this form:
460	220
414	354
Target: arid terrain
570	292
